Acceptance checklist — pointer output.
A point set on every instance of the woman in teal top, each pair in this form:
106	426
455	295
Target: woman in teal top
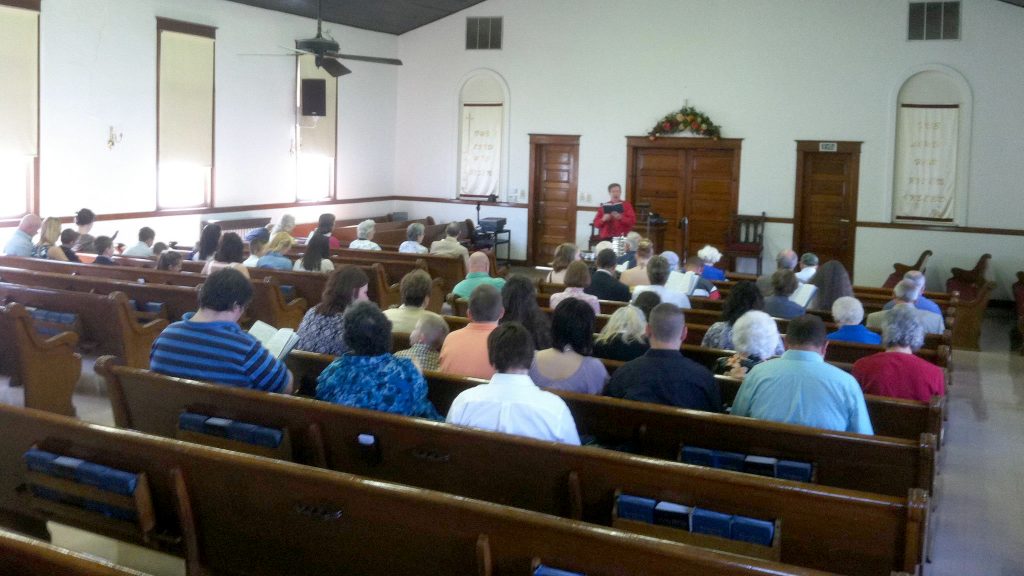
368	375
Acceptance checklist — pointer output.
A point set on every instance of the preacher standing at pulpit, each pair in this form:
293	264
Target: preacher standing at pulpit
615	217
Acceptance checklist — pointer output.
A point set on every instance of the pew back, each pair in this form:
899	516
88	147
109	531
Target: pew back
231	513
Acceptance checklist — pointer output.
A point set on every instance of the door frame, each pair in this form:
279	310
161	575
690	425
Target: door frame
804	147
536	142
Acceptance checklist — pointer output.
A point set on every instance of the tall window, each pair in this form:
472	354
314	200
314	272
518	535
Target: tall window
316	131
185	81
19	106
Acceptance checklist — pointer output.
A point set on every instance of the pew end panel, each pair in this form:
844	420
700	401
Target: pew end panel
23	555
48	369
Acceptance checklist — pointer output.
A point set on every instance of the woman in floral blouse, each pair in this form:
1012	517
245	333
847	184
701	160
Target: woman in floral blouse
323	327
368	375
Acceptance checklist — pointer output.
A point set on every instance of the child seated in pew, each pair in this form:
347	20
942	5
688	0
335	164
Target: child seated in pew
159	248
144	247
257	240
426	340
104	250
170	261
68	237
511	403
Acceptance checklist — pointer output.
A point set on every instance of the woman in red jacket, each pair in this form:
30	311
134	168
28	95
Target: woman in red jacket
615	217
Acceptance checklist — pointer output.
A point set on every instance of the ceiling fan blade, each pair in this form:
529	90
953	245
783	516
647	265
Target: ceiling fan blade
373	59
332	66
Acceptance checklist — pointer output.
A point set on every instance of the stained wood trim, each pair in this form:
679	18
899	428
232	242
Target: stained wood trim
469	105
947	106
183	27
24	4
682	143
934	228
850	148
554	138
449	201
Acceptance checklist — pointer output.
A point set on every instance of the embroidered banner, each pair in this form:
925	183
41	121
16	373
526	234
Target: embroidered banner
481	149
926	148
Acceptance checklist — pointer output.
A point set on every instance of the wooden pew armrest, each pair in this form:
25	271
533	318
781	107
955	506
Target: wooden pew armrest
62	340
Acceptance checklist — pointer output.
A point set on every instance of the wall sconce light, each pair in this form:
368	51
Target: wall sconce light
114	139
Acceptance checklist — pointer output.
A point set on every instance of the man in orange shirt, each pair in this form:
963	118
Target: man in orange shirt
465	351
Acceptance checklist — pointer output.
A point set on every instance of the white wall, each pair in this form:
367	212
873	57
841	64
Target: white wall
768	72
98	62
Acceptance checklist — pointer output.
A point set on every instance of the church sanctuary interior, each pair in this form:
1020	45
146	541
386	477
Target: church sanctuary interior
884	135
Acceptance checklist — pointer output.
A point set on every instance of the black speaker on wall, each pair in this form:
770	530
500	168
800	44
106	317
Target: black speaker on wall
314	97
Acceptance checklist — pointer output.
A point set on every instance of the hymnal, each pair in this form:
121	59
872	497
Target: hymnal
803	294
684	282
612	208
278	342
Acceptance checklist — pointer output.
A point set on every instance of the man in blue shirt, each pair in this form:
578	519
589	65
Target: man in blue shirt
20	243
923	302
210	346
800	388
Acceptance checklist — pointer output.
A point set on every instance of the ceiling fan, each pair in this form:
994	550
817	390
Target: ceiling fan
325	50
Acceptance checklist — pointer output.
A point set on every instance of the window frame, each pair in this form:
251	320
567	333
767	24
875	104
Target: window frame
332	114
204	31
32	201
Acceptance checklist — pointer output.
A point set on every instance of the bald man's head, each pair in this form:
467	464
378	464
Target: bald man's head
478	262
30	224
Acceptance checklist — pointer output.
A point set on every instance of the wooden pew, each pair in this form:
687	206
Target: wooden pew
843	460
108	321
233	513
869	531
303	229
388	231
969	318
47	368
268	302
899	270
28	556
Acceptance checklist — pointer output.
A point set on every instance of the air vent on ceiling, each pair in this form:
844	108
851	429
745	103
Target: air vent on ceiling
483	33
934	21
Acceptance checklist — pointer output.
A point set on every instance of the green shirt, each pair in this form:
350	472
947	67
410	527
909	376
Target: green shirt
473	279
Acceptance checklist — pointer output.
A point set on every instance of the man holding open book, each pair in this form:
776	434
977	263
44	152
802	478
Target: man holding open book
615	217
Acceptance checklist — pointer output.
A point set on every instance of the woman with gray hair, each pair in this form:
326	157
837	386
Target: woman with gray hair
848	313
755	336
413	244
897	372
364	236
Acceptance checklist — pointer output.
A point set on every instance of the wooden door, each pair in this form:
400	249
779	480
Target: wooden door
825	219
554	167
692	178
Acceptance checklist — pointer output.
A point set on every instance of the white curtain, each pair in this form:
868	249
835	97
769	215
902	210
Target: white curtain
926	158
481	149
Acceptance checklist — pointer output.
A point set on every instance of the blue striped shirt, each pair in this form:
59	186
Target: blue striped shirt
219	352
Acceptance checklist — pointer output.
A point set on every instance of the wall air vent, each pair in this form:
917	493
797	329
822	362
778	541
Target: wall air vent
483	33
934	21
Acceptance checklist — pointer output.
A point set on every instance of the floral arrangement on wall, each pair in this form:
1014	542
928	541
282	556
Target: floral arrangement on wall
687	119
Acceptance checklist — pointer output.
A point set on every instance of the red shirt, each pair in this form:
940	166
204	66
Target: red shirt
899	375
613	227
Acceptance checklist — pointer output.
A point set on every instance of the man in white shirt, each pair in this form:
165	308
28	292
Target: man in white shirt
808	267
657	272
144	249
511	402
21	243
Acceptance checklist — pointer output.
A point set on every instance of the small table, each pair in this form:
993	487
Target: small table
498	241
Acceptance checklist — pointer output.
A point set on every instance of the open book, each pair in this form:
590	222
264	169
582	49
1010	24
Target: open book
803	294
684	282
610	208
278	342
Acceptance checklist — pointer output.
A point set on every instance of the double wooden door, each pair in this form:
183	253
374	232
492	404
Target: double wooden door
825	215
693	183
554	174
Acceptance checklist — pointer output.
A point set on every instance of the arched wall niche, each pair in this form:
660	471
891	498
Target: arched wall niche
935	85
482	159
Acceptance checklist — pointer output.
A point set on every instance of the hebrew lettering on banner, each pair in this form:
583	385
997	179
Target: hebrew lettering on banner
926	149
481	149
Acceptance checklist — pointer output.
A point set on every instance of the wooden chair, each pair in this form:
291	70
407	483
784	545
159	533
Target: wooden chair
900	269
746	240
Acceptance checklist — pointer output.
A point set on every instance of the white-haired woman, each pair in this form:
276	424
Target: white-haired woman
897	372
624	336
414	239
710	255
364	236
848	313
755	336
